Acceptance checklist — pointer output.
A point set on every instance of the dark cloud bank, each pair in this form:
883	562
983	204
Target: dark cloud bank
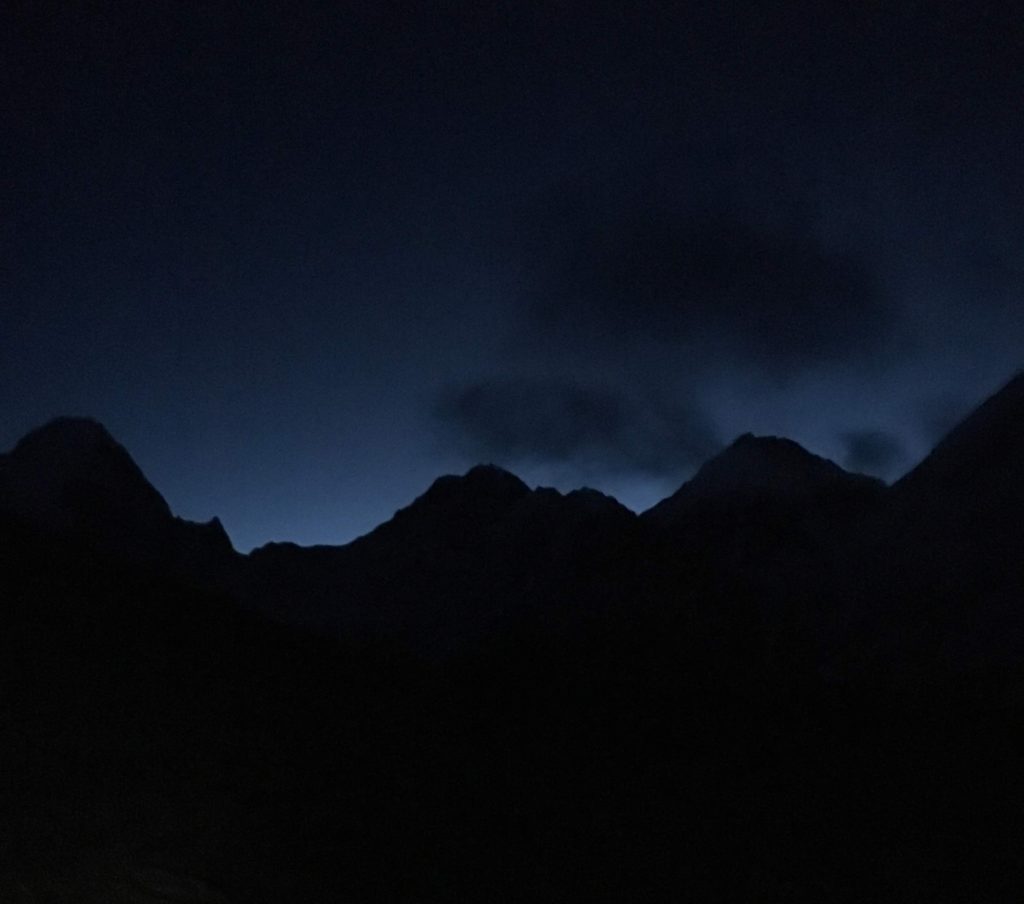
547	420
773	295
653	302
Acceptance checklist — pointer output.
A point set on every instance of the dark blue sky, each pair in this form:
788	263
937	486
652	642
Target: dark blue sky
302	258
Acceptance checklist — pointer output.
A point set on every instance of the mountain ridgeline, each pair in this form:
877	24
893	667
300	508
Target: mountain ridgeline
785	682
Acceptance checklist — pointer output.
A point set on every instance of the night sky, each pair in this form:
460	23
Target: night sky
301	259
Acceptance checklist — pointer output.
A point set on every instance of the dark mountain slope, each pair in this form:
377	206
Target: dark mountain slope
755	539
71	478
71	474
963	503
612	708
157	735
983	453
763	469
468	555
939	585
765	515
150	731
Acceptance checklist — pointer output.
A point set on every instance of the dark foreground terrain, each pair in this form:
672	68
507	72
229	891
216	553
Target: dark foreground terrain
785	683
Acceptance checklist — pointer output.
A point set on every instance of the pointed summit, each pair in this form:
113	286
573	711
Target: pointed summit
766	466
71	470
65	436
483	485
761	468
72	479
458	503
591	500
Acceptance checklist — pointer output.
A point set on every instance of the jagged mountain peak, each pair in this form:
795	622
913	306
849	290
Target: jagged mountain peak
71	477
764	464
595	501
762	467
71	442
479	495
481	482
68	441
490	487
71	462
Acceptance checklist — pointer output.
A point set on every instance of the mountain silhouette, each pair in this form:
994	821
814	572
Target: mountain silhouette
940	568
71	478
784	682
762	468
70	474
467	554
982	457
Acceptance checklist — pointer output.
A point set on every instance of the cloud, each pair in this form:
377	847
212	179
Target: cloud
775	296
555	421
873	451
